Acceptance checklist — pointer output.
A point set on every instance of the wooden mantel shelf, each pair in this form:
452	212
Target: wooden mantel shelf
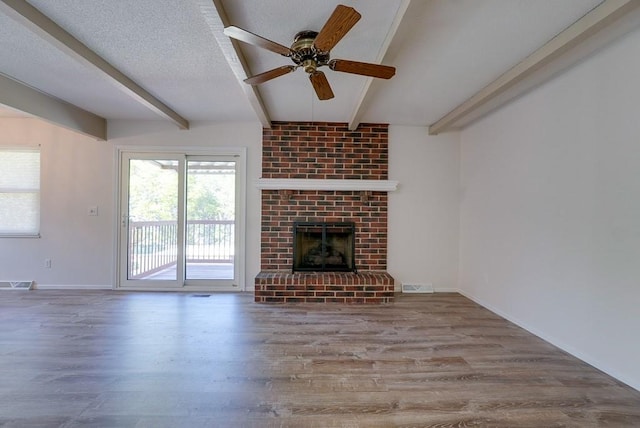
335	185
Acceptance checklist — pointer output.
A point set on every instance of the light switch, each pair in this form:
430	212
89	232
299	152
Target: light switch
92	210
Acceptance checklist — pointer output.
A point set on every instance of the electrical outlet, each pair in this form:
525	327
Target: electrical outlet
92	210
47	263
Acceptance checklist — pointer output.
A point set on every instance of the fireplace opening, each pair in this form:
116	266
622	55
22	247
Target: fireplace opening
323	247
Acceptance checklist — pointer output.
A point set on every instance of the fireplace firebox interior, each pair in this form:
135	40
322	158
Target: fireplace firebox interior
323	247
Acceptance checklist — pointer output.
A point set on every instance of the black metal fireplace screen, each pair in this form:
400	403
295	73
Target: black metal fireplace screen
324	247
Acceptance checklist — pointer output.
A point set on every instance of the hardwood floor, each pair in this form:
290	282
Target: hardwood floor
128	359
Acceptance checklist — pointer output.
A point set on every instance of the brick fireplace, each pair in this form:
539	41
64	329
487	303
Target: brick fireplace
301	164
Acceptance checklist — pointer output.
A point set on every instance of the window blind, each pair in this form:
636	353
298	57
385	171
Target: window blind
19	191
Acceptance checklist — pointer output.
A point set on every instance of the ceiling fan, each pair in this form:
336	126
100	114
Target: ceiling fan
311	50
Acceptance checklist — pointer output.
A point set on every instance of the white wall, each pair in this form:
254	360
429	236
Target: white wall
424	211
78	172
550	210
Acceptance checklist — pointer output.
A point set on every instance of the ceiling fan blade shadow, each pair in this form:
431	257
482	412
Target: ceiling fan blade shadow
339	23
362	68
321	85
268	75
255	40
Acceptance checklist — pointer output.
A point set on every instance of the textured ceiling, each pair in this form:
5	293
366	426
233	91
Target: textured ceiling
291	97
162	44
444	51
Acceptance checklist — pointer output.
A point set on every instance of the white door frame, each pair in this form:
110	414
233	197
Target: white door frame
238	155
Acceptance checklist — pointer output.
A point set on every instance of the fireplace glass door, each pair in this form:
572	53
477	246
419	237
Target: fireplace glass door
324	247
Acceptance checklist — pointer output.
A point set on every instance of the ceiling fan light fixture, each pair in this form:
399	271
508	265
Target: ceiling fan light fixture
310	66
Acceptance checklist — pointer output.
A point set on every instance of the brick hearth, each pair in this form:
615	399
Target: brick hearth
325	287
328	151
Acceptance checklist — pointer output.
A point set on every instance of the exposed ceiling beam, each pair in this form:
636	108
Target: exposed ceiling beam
40	24
359	108
602	16
217	19
23	98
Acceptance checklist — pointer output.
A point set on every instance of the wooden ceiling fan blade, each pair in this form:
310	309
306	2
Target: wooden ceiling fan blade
362	68
321	85
255	40
268	75
339	23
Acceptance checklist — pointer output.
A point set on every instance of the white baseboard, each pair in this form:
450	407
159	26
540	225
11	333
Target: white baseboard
398	289
446	290
72	287
555	342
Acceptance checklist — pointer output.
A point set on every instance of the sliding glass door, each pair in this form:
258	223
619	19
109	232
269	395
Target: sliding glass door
179	223
210	212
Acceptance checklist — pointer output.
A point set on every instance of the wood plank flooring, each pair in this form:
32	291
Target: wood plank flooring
132	359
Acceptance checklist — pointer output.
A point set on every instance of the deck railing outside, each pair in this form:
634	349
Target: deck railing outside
153	245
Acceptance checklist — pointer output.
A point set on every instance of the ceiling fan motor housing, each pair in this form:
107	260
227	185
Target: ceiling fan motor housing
304	52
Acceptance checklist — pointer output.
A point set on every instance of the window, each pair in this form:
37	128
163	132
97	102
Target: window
19	191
